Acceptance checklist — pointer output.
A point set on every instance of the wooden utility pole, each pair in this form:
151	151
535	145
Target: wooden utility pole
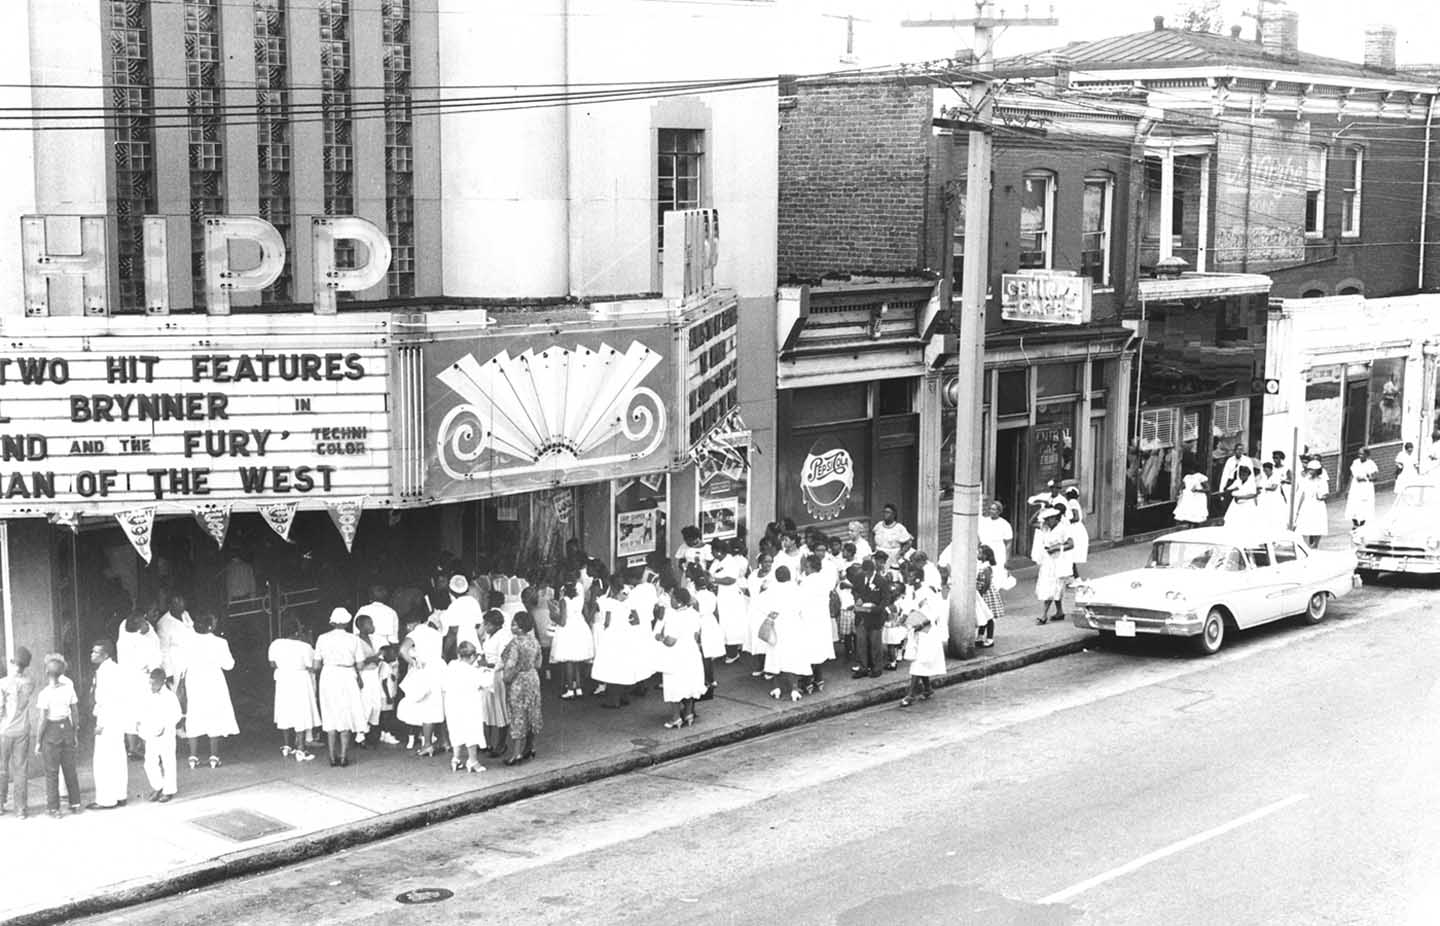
965	514
850	20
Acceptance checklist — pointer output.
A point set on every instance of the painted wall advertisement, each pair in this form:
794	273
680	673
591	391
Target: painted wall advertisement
99	416
516	410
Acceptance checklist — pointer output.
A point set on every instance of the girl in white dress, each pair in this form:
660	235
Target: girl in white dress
495	706
815	587
1193	508
683	671
296	711
339	654
712	637
1079	533
372	690
1312	520
423	704
728	572
1049	552
641	597
573	642
208	711
465	707
924	613
789	658
756	585
613	670
1360	505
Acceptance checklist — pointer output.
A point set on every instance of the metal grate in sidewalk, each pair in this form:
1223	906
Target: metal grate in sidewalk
241	825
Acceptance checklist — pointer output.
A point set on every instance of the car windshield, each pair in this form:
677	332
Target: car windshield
1184	554
1415	510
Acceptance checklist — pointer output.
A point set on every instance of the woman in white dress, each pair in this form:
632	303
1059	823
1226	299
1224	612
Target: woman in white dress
1079	533
423	704
1049	550
789	658
1244	511
1360	505
1193	508
1312	521
339	655
208	711
757	583
296	710
463	687
495	706
728	573
1274	500
572	643
712	635
815	587
683	670
642	596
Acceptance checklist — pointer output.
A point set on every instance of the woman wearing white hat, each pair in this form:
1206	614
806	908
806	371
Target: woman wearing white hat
342	708
1312	521
1050	552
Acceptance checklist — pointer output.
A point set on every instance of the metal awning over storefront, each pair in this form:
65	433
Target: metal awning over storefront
1203	286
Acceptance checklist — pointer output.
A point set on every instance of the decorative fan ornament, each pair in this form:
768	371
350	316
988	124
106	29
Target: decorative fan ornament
555	410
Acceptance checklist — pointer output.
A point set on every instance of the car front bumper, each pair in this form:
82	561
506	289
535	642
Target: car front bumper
1408	563
1175	624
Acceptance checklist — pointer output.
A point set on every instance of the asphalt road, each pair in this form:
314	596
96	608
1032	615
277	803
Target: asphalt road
1293	779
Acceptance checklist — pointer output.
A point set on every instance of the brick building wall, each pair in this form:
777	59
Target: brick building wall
854	178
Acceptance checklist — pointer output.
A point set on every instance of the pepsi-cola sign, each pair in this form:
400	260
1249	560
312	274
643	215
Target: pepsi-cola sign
827	478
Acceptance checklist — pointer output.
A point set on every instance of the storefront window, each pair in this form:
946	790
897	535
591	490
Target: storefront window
1057	379
1387	379
894	396
1155	459
1014	388
1053	444
846	402
1324	409
1229	425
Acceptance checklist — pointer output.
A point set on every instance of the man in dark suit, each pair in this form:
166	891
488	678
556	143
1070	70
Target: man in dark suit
873	595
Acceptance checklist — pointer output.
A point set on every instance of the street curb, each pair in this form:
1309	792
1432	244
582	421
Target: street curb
395	823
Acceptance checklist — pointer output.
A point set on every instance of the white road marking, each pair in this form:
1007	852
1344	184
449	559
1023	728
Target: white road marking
1077	889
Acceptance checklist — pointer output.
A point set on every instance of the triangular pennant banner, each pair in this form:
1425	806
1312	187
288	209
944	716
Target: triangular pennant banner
216	521
138	525
345	513
67	518
279	515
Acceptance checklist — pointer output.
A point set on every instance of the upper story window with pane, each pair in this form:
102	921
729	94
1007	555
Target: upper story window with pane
681	155
1315	164
1037	220
1099	201
1350	193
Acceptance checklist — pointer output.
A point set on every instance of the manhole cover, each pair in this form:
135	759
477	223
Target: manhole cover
424	895
241	825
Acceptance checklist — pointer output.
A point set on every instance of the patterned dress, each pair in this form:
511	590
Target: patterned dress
522	687
989	592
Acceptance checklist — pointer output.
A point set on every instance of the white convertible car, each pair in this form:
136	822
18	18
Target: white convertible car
1206	582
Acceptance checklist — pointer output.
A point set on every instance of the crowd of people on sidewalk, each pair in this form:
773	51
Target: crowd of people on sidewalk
453	666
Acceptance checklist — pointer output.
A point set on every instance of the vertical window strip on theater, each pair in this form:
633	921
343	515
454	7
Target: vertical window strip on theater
338	126
132	103
399	146
273	134
206	127
678	173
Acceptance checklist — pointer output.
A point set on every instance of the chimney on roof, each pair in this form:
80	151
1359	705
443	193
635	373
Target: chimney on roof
1159	23
1380	47
1234	32
1280	32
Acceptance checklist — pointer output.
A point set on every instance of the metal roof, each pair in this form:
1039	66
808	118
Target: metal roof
1158	48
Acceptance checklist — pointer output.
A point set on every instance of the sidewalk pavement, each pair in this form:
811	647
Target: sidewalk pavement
259	811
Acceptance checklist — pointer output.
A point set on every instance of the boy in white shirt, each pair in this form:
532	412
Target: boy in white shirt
159	713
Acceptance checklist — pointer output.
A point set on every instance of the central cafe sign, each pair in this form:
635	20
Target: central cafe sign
222	278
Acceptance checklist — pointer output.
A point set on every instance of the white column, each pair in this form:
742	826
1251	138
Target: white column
1167	202
1202	245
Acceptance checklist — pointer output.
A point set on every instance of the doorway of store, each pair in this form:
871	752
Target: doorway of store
1356	425
1010	482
